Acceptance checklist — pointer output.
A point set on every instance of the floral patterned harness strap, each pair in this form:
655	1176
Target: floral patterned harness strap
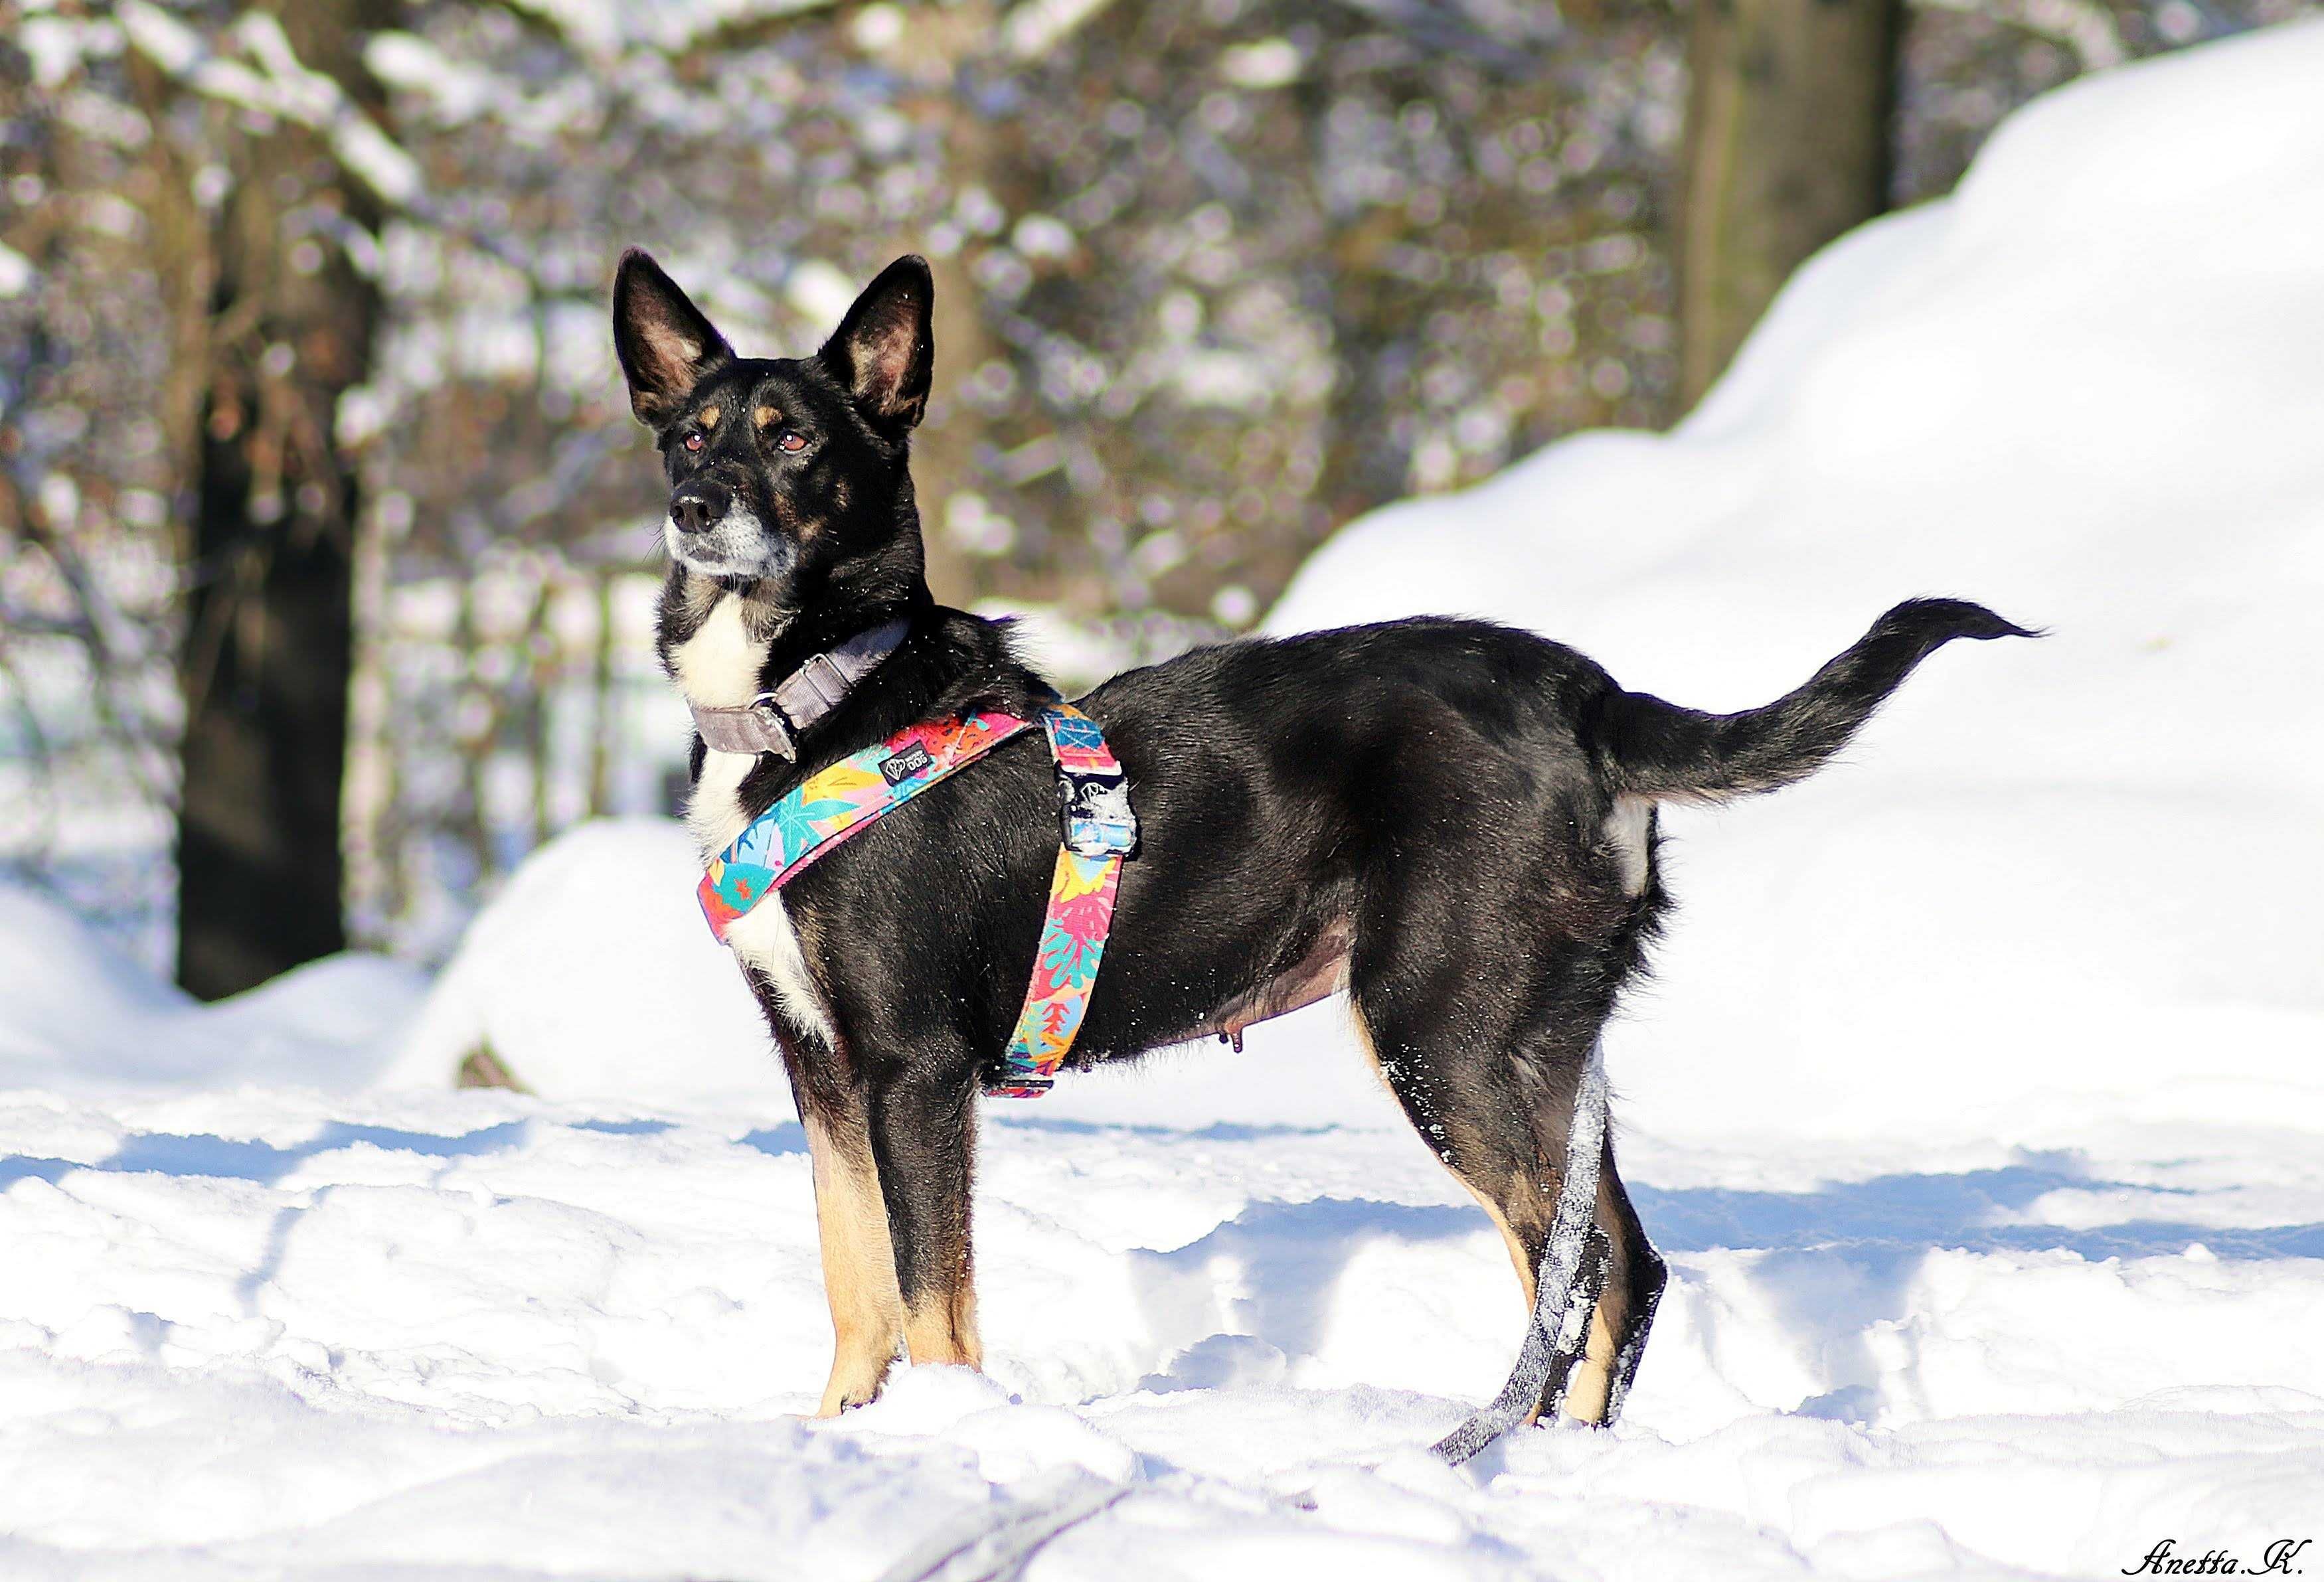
1099	831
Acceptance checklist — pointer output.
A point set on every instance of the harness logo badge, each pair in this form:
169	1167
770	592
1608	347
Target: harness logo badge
900	767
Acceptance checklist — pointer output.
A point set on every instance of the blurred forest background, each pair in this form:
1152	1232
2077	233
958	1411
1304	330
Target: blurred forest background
327	544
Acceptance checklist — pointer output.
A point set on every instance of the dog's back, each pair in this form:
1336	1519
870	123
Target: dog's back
1445	781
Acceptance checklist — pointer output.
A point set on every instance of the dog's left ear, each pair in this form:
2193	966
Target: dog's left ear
882	351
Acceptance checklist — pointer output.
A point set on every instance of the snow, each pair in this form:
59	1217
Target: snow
279	84
17	272
593	976
609	27
1976	1103
81	1018
267	1331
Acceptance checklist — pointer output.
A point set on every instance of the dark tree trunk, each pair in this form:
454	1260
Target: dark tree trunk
1787	146
269	628
931	53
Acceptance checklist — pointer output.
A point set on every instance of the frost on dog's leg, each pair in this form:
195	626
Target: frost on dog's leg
1625	1310
1649	1275
924	1132
1578	1255
1590	1385
859	1265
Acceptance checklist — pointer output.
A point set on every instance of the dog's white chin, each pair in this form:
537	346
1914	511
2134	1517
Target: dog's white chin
736	547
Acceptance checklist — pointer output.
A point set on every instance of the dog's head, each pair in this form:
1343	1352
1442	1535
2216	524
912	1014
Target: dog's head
783	472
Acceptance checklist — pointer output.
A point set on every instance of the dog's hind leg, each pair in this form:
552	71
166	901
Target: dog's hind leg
1480	1160
1500	1123
859	1266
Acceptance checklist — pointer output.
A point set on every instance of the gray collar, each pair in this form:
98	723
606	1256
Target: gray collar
772	721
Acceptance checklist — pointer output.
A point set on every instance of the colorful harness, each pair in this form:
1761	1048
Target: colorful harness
1098	830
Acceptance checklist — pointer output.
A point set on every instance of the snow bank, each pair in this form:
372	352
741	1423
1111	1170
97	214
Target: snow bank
75	1015
592	974
2084	391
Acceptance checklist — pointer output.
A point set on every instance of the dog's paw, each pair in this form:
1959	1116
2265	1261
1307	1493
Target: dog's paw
845	1394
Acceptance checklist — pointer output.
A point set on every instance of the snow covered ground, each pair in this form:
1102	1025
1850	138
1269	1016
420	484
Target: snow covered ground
1977	1104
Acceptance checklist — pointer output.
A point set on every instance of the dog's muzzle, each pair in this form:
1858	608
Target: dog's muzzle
710	531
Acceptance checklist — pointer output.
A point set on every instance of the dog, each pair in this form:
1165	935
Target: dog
1452	822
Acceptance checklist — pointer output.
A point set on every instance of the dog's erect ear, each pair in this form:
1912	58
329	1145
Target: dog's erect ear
664	342
882	351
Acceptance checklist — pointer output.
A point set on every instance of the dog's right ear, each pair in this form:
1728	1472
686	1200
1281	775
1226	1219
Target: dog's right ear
665	343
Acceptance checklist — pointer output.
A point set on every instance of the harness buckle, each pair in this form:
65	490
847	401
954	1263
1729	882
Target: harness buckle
1094	815
769	713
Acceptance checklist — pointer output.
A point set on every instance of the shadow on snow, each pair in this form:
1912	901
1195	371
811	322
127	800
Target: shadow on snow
1836	1260
206	1155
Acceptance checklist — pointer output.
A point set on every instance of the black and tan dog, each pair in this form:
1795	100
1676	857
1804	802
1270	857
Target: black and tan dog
1454	821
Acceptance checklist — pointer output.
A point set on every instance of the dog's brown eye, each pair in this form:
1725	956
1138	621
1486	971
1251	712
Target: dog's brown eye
791	440
694	442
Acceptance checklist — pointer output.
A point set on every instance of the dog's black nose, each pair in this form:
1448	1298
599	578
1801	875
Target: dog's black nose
698	506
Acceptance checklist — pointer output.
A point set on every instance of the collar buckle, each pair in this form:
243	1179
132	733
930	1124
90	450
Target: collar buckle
781	737
773	721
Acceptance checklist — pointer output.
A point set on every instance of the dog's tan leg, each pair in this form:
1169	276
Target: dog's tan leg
1589	1386
925	1130
943	1328
1592	1383
1625	1312
1520	1196
859	1267
1528	1278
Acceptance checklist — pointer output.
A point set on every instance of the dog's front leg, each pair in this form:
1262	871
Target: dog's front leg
924	1135
859	1265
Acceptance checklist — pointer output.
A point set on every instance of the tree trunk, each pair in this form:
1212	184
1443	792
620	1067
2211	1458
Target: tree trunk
930	52
1787	146
270	630
943	451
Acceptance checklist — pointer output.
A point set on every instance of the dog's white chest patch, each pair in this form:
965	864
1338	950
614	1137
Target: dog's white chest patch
718	668
715	813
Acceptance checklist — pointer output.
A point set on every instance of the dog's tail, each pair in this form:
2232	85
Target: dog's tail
1656	748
